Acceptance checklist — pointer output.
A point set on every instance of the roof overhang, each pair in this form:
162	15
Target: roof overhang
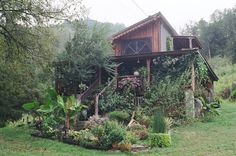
155	17
167	53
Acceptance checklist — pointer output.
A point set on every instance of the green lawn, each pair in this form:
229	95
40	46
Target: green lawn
198	139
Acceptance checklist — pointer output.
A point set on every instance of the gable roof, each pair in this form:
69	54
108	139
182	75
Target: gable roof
144	22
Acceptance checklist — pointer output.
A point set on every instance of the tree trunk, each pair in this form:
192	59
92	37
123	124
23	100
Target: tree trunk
67	122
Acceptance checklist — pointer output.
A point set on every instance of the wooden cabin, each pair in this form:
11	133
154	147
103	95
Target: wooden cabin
138	44
141	43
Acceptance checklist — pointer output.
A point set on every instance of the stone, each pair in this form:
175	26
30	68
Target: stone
189	104
198	107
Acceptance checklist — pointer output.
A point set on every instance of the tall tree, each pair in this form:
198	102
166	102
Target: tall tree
22	20
218	36
84	54
26	49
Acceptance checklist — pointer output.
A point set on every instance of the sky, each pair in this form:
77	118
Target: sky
177	12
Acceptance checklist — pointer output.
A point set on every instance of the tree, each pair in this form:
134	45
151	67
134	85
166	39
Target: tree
22	20
218	36
85	53
27	49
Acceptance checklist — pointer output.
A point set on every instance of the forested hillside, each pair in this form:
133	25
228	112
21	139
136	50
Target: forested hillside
65	31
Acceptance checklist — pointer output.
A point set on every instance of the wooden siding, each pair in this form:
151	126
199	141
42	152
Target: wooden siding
151	30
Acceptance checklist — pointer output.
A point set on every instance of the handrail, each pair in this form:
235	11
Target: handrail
100	93
88	91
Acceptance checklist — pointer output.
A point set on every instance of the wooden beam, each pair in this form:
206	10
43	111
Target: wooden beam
116	76
193	78
190	42
148	61
96	105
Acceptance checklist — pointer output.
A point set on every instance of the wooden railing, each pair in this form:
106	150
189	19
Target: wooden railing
99	94
87	92
119	78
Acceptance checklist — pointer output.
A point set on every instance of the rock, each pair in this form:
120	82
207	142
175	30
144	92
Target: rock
136	148
189	104
198	107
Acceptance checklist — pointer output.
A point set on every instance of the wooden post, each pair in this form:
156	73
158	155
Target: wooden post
148	61
193	78
190	42
116	76
96	105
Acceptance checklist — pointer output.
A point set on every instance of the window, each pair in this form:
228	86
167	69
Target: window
137	46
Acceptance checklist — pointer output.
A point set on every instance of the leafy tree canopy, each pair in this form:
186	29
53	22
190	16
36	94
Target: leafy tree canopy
218	36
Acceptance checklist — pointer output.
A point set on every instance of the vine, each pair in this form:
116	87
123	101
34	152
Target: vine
172	75
201	70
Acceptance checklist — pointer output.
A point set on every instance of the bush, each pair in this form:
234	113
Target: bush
159	123
160	140
144	120
142	134
75	135
87	139
117	135
131	137
136	127
169	122
120	116
105	142
233	94
26	119
113	134
209	117
98	131
125	146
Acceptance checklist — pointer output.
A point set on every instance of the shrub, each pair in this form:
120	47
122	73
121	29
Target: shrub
135	127
113	134
160	140
159	123
169	122
105	142
144	120
87	139
24	120
142	134
131	137
233	94
209	117
125	146
120	116
211	109
75	135
98	131
117	135
112	101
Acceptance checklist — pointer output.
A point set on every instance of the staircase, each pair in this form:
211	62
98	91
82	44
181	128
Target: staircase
94	93
111	83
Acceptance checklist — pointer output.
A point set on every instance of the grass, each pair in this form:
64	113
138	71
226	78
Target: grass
18	142
217	138
226	72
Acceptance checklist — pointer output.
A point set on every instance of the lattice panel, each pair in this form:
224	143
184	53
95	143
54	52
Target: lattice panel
137	46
